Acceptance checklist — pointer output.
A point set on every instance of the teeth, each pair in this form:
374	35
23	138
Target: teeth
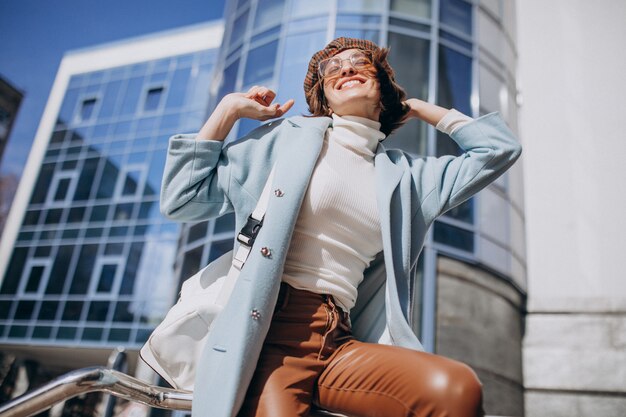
350	83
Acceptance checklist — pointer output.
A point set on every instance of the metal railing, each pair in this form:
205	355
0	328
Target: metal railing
94	379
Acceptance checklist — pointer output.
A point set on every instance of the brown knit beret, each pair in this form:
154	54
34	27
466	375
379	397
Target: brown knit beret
332	49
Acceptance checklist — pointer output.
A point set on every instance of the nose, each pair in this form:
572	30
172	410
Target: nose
347	68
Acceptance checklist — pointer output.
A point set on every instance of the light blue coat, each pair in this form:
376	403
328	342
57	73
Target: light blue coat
204	179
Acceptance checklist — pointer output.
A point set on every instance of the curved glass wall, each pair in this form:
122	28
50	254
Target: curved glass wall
438	55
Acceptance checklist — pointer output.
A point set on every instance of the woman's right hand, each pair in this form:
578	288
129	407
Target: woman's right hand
257	104
254	104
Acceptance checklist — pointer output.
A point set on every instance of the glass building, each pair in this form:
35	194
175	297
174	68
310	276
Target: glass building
91	260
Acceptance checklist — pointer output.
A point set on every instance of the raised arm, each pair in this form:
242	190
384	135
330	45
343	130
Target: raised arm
255	104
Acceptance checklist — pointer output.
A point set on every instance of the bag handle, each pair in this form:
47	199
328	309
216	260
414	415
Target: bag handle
246	238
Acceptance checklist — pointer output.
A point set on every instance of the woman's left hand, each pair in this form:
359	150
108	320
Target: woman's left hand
428	112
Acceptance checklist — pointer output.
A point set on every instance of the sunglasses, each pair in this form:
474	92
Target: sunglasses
332	66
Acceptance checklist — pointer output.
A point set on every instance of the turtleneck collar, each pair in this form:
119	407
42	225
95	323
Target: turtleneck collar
356	133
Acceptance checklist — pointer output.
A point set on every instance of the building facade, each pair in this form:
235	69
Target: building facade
87	258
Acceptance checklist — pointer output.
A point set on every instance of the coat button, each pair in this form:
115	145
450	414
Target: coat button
265	251
278	192
255	314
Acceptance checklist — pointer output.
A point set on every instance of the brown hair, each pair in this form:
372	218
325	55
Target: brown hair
392	96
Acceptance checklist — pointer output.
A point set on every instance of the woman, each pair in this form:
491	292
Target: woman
343	207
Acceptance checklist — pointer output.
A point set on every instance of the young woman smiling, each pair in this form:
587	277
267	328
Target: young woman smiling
343	231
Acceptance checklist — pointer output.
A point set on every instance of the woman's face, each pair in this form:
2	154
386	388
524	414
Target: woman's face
353	91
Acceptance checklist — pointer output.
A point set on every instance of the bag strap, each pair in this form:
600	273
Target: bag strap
246	238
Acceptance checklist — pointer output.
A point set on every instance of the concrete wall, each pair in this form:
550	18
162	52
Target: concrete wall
480	322
572	90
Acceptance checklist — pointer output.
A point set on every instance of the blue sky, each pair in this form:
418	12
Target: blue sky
36	33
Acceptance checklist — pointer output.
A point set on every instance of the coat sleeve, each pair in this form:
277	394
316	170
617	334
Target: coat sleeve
489	149
195	180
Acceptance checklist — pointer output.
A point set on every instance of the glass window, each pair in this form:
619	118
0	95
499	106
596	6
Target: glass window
463	212
119	335
122	312
192	262
86	179
66	333
361	5
411	65
131	95
260	63
108	179
178	88
268	12
153	98
53	216
84	268
72	311
59	269
225	223
229	80
76	215
87	109
98	311
24	310
454	236
454	86
42	332
239	28
298	51
416	8
5	309
48	310
107	278
109	101
66	114
219	248
33	282
300	8
43	184
197	232
368	34
457	14
132	266
62	187
357	19
131	182
92	333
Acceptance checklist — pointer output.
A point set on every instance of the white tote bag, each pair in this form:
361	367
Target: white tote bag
175	346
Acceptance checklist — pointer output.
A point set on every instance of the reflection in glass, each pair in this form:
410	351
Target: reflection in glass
178	88
301	8
225	223
87	109
415	8
84	267
111	91
361	5
371	35
298	51
454	236
98	311
268	12
239	28
24	310
463	212
59	269
411	67
454	85
34	279
457	14
197	232
72	311
48	310
219	248
260	64
107	278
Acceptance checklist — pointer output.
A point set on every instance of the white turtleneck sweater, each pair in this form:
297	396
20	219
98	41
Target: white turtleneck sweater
337	233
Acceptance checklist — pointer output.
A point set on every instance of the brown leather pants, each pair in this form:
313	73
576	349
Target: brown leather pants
310	360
